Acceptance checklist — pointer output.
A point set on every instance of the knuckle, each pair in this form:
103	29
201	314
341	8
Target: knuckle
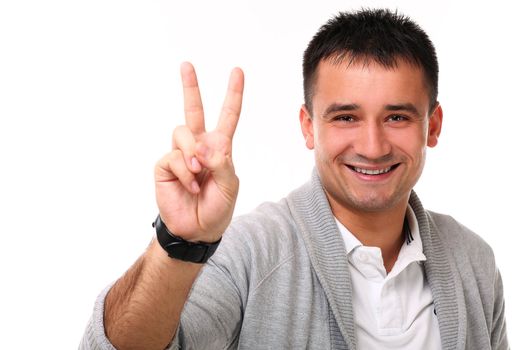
162	162
183	139
173	160
179	131
178	165
230	111
176	156
193	109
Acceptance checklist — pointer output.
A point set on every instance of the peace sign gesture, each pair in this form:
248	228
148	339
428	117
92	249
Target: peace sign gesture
196	186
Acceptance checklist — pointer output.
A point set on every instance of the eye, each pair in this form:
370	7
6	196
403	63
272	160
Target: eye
397	118
345	118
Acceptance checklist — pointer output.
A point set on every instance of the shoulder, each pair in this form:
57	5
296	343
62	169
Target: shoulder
270	225
479	284
467	247
256	243
267	216
458	234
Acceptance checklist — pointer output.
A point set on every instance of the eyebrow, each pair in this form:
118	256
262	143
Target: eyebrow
339	107
409	107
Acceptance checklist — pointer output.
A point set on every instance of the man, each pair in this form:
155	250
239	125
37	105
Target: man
351	260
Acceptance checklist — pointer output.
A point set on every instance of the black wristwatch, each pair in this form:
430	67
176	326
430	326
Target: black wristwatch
178	248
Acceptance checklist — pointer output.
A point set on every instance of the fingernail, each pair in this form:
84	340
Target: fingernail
195	164
195	187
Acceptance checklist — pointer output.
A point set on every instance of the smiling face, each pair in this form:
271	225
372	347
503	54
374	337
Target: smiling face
369	127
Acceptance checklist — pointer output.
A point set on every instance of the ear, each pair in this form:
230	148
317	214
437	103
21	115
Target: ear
307	127
434	126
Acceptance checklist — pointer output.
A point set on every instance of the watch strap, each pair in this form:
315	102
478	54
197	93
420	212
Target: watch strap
179	248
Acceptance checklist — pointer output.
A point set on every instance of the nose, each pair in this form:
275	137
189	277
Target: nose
372	142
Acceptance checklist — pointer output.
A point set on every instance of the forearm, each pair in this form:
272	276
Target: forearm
142	310
196	188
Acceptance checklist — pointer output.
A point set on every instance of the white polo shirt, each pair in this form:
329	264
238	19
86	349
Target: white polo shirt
394	310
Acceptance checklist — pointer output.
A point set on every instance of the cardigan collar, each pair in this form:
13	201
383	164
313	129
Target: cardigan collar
318	229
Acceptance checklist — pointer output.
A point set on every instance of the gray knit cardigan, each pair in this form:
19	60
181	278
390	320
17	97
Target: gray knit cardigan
280	280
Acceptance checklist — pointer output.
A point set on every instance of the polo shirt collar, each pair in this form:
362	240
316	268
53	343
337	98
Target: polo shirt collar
411	250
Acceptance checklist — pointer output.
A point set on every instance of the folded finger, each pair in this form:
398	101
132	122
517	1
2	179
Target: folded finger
214	153
172	167
184	141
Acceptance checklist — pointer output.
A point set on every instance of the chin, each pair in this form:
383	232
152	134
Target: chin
372	202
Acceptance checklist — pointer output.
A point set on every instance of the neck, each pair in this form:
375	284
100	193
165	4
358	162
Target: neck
382	229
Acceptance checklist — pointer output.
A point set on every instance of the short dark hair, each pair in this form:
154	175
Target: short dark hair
378	35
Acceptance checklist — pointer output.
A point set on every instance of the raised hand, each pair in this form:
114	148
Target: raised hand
196	186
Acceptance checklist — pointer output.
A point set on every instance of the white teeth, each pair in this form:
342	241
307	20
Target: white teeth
372	172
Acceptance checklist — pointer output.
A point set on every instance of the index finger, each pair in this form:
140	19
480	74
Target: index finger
231	108
193	111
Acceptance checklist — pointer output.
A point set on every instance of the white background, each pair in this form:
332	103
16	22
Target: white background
90	91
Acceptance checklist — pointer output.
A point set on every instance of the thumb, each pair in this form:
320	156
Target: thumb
219	163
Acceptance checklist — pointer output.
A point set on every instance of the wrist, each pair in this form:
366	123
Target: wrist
178	248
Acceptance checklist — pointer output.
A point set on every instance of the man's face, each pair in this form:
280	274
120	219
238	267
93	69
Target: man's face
369	128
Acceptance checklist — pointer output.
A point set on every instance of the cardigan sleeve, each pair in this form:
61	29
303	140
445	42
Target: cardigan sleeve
499	330
212	315
95	336
211	318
